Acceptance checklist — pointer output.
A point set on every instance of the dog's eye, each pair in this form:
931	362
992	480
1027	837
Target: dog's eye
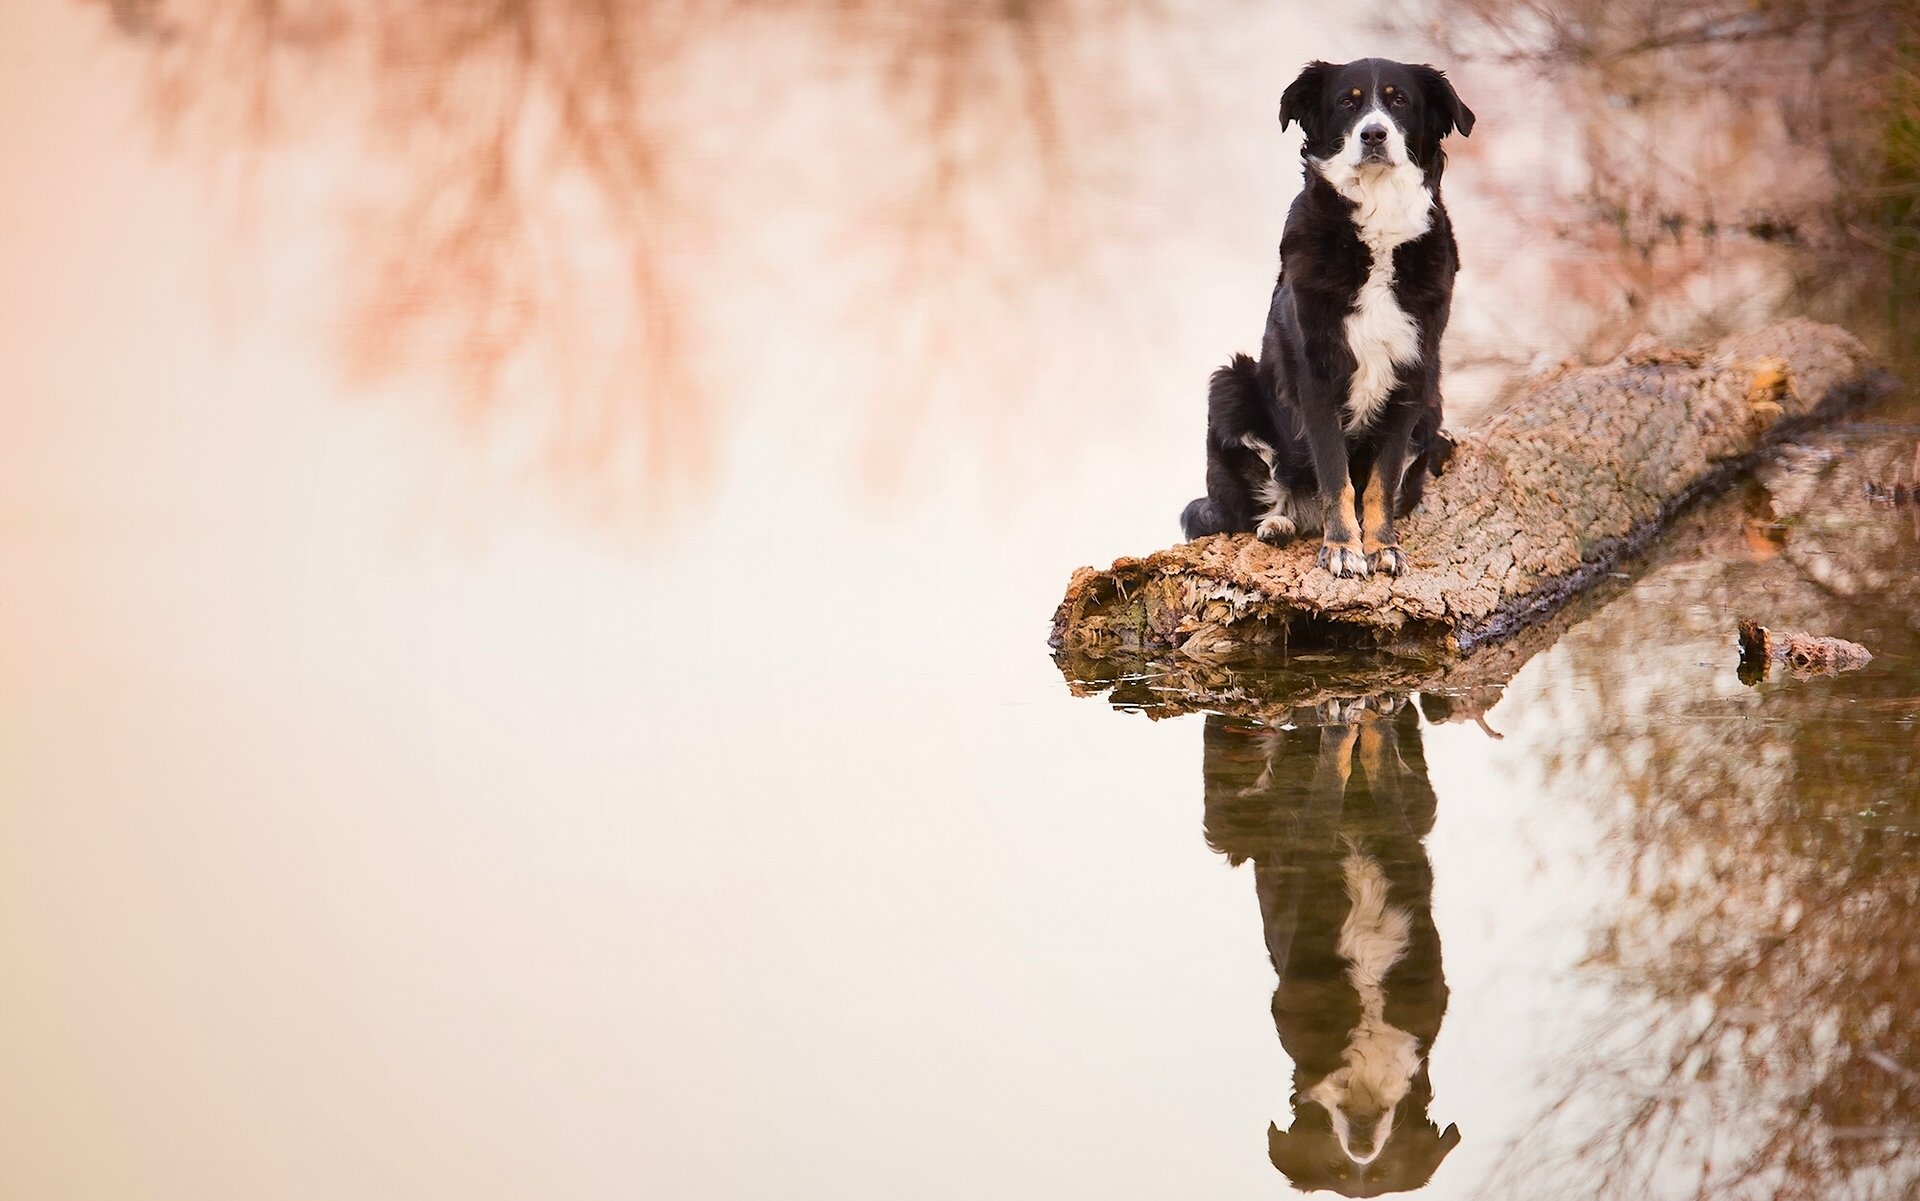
1349	102
1397	100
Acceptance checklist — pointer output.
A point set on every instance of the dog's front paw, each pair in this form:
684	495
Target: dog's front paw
1340	712
1347	562
1275	530
1388	559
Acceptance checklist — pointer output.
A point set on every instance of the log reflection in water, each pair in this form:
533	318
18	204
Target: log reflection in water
1332	813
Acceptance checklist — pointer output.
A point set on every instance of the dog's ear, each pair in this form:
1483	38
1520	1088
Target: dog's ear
1449	1139
1443	104
1301	101
1428	1146
1284	1155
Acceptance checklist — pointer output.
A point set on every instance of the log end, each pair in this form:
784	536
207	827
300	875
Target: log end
1229	596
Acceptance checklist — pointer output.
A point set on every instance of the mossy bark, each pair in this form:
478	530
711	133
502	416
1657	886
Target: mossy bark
1580	472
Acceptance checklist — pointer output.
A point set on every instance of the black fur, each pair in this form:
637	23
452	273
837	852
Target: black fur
1237	403
1293	400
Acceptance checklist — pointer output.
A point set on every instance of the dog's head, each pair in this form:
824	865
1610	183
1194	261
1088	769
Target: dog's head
1374	113
1311	1156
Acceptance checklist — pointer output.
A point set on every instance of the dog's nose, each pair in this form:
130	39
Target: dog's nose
1372	136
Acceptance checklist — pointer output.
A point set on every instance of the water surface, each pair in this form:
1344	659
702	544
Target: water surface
549	698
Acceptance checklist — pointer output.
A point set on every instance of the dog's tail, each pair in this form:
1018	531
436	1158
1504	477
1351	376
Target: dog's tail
1234	394
1233	397
1200	518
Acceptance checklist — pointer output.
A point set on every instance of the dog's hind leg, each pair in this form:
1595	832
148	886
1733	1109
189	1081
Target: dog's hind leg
1239	460
1275	524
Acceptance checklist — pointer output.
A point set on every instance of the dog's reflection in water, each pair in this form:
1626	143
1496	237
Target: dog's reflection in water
1331	814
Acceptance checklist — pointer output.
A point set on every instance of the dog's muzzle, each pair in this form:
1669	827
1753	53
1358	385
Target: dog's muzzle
1373	144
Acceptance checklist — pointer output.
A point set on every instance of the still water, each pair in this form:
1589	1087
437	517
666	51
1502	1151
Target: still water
522	668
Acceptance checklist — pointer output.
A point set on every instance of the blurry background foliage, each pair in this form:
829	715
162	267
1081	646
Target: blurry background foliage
1845	74
549	196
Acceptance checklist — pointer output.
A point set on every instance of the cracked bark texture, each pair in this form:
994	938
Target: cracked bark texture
1579	473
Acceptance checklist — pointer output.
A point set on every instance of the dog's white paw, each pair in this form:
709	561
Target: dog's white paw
1344	561
1275	530
1388	559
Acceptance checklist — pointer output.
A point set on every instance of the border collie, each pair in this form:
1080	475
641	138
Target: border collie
1333	820
1343	408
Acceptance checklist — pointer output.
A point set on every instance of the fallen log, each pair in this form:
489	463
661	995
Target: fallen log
1556	490
1803	540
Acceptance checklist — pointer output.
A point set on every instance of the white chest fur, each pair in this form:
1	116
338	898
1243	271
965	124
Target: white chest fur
1380	1060
1392	207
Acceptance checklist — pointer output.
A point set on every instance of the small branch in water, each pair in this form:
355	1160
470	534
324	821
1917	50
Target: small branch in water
1890	1065
1804	654
1879	243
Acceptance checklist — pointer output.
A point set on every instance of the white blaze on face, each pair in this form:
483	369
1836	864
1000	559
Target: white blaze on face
1392	206
1375	121
1380	1061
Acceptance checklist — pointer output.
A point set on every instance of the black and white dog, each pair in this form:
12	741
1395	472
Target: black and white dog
1333	820
1343	408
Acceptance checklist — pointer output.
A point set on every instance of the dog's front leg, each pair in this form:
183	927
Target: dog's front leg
1340	548
1382	496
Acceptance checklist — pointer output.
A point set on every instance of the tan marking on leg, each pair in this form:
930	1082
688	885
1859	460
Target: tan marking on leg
1342	523
1382	546
1336	758
1372	751
1376	523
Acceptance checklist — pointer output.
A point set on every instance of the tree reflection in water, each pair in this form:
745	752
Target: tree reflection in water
1767	955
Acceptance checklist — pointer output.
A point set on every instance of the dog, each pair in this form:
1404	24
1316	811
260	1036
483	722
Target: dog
1343	408
1331	808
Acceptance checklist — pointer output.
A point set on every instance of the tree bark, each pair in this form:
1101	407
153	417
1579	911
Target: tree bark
1577	474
